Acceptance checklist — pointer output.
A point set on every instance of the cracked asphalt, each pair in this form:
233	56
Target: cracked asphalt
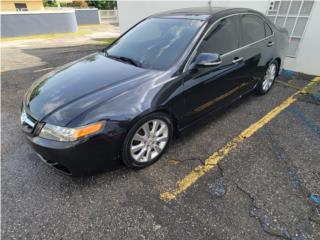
260	190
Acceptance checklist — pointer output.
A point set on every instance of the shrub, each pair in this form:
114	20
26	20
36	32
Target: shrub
74	4
103	4
49	3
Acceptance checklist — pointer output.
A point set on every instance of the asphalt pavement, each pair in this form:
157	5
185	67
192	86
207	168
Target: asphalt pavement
260	190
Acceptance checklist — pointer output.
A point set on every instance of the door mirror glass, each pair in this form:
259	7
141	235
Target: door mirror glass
208	60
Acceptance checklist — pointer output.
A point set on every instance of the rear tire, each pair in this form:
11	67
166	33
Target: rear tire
267	81
147	140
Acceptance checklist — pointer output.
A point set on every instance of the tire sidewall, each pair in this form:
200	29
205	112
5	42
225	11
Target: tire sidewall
126	155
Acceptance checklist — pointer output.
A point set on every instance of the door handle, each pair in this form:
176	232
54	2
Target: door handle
270	44
237	59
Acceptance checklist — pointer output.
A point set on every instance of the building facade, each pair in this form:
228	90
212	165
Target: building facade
300	17
21	5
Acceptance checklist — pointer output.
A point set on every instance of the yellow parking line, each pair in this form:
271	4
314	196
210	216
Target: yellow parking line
214	159
288	84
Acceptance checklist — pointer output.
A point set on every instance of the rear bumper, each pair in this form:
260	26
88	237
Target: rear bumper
80	158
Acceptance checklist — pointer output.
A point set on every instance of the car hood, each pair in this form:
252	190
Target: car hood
81	84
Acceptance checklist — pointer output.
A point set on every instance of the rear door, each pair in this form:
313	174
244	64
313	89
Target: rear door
257	45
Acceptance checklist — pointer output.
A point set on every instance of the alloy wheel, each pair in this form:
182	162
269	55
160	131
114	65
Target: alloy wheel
149	140
269	77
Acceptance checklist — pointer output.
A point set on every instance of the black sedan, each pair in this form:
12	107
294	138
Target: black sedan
160	77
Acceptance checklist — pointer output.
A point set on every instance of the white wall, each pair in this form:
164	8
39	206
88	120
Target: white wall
27	23
307	60
130	12
260	6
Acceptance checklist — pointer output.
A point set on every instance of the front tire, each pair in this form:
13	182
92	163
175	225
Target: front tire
147	140
268	79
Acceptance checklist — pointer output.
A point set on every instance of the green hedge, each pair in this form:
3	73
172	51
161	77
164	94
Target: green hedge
102	4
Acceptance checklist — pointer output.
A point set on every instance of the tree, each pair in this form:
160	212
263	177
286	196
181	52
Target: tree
74	4
49	3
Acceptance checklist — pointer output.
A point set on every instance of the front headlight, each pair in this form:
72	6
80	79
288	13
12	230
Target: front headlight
64	134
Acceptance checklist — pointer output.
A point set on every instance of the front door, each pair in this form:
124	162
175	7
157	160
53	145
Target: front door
209	88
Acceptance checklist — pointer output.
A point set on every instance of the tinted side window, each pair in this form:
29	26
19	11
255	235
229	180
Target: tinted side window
268	30
252	29
223	38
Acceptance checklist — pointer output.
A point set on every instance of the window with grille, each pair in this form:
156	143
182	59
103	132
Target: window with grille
292	15
21	7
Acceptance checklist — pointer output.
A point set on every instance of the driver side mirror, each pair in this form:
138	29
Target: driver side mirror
208	60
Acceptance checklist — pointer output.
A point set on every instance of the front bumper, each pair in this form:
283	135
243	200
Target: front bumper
84	157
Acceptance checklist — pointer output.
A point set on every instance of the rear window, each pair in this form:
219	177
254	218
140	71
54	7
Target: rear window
253	29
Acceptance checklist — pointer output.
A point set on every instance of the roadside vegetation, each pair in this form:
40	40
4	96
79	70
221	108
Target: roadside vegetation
101	4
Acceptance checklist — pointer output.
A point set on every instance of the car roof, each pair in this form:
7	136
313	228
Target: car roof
202	13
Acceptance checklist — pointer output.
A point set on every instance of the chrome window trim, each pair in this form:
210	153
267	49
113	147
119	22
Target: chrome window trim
186	66
269	27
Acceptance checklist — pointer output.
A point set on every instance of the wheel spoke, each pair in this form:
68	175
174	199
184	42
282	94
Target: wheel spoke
157	148
264	84
138	137
148	156
162	138
162	129
146	129
135	148
141	154
155	125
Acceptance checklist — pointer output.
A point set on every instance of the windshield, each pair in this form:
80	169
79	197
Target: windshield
155	43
